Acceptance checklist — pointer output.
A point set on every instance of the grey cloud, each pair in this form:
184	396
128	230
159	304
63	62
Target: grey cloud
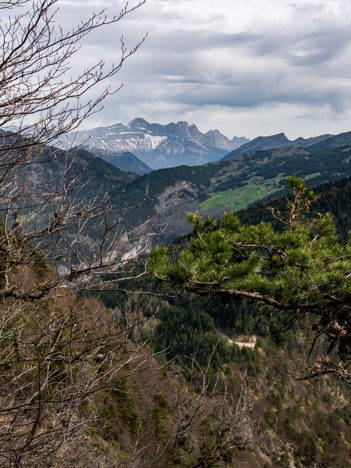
179	68
321	46
304	9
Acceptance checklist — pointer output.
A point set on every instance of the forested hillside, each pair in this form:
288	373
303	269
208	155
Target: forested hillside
234	184
302	422
333	197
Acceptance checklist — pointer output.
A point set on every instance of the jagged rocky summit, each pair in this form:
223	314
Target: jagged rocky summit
159	146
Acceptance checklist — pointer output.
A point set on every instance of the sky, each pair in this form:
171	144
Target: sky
248	68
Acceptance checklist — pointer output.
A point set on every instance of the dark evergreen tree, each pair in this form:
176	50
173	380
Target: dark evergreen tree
302	271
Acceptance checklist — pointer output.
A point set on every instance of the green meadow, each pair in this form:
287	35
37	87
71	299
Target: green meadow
256	189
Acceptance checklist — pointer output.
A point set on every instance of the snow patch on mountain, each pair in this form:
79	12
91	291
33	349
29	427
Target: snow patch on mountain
157	145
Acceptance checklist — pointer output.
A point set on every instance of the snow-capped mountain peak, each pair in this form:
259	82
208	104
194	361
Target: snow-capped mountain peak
159	145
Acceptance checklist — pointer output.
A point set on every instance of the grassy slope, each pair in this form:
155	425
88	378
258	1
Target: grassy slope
256	188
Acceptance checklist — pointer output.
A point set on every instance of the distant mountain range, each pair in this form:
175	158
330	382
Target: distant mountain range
159	146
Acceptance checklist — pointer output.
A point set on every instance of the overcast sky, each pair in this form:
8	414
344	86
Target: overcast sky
247	68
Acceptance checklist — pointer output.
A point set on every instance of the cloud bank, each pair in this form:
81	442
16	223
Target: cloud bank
248	69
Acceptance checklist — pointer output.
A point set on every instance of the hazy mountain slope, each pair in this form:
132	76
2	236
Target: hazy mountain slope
97	176
127	162
46	169
69	181
332	142
159	145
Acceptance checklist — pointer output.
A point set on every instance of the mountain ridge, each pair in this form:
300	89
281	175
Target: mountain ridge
157	145
313	144
280	140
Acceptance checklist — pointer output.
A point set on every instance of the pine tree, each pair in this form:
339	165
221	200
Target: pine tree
301	272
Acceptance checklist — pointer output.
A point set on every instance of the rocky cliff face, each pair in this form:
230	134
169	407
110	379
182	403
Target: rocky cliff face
160	146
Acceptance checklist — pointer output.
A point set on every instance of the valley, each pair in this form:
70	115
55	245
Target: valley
231	184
